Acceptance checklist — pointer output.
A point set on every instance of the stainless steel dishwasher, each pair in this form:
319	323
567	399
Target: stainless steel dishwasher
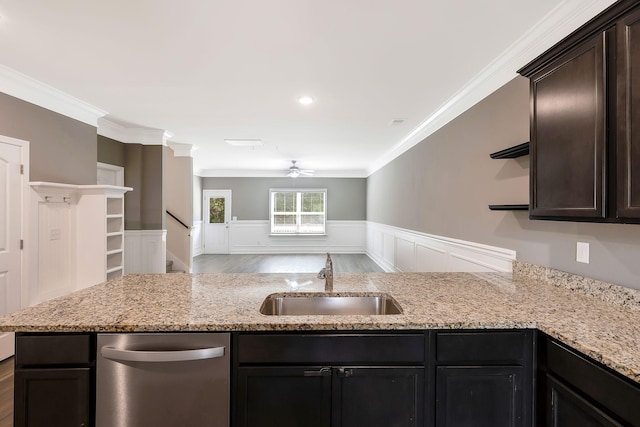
162	379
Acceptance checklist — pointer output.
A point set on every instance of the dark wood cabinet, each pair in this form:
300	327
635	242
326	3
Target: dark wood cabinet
53	381
479	396
52	397
568	134
284	396
569	409
484	378
628	113
378	396
585	150
574	390
323	379
330	396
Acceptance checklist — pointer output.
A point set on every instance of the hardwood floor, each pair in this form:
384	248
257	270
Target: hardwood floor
6	393
290	263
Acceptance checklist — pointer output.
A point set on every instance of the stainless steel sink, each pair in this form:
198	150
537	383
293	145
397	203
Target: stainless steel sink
293	304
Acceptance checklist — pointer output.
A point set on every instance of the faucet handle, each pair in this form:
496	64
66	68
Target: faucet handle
329	261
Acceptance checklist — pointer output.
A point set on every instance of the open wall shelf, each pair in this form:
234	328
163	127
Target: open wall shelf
512	152
509	207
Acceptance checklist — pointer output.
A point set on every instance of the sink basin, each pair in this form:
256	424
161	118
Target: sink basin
293	304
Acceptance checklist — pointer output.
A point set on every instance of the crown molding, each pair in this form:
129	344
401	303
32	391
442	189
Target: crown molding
253	173
553	27
132	135
28	89
182	150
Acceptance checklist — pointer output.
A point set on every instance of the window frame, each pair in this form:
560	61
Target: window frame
298	213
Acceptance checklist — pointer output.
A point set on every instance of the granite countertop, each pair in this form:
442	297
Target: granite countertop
607	331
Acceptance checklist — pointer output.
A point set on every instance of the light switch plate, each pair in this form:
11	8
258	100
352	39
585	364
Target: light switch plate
582	252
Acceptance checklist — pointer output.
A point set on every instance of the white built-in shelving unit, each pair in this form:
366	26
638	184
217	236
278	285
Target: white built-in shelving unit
78	231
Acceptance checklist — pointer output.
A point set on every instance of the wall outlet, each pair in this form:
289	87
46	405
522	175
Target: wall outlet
582	252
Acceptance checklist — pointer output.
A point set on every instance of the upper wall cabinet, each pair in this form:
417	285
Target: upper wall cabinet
628	153
585	101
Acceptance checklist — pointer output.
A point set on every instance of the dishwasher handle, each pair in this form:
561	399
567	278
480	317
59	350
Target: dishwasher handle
161	356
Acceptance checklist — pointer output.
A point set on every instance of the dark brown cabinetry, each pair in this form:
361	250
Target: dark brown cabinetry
576	391
484	378
585	157
344	380
53	380
628	155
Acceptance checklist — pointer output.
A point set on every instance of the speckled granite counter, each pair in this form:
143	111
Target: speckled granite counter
607	331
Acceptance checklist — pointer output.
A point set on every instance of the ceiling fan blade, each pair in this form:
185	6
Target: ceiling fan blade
306	172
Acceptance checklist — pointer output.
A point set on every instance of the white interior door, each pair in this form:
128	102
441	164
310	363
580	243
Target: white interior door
11	188
216	216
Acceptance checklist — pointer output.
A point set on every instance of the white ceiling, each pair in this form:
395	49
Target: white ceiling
209	70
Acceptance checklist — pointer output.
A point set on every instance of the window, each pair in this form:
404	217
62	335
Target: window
298	211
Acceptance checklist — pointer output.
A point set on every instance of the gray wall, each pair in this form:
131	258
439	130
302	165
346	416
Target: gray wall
346	197
111	151
143	171
61	149
443	185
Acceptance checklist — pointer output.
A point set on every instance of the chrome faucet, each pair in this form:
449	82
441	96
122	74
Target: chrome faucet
327	274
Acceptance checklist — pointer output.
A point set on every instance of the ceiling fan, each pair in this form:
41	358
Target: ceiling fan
295	171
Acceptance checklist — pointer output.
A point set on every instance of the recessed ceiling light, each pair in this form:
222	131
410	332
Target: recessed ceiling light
244	142
306	100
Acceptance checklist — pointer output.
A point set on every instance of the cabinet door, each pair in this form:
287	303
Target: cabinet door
378	397
628	154
565	408
479	396
568	135
284	397
52	397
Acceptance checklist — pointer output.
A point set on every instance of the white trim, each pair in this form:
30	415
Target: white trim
35	92
557	24
132	135
118	173
257	173
252	237
399	249
182	150
24	224
196	238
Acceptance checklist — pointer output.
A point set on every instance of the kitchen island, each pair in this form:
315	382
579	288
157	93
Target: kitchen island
601	322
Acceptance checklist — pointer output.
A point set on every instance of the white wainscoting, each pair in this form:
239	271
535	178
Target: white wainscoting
398	249
253	237
145	251
196	238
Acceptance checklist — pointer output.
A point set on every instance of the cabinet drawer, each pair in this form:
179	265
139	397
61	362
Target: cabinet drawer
53	350
331	348
483	347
